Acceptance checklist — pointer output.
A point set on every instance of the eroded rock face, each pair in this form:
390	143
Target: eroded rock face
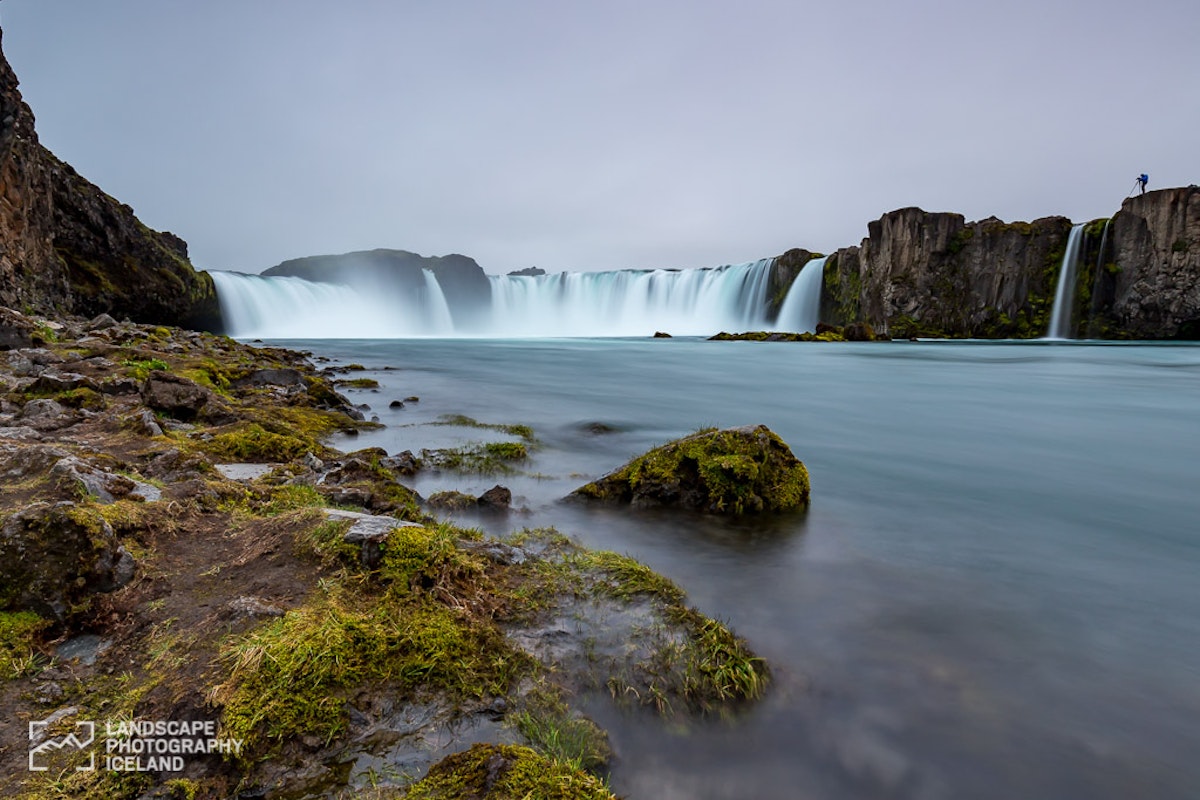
1156	255
733	471
66	246
54	555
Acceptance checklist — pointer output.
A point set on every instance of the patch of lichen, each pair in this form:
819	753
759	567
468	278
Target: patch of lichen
506	772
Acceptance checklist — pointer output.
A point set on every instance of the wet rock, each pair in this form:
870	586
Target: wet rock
395	404
368	531
733	471
859	332
412	399
53	556
44	415
21	463
105	487
451	501
662	335
174	394
498	498
404	463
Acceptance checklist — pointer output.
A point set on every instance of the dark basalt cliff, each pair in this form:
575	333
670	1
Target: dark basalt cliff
460	278
67	247
934	274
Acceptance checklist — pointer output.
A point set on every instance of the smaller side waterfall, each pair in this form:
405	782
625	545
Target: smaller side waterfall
1064	295
801	309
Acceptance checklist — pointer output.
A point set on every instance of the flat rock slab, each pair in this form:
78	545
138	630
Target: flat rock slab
244	472
367	527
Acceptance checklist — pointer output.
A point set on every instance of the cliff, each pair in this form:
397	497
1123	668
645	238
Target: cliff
933	274
464	283
67	247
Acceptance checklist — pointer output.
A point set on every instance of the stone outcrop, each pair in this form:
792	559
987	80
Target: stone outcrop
464	283
67	247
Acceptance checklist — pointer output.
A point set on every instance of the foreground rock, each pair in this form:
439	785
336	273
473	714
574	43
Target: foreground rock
734	471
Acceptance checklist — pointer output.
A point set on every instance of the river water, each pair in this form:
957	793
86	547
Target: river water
995	592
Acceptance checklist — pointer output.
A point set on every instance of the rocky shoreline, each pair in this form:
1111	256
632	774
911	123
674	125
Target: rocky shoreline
178	544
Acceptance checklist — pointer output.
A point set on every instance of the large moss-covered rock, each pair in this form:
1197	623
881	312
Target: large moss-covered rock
505	772
54	556
733	471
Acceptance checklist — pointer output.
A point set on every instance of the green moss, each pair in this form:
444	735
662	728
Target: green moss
737	472
845	293
83	398
960	240
548	723
251	442
359	383
460	420
292	677
487	458
18	635
140	368
1179	246
506	772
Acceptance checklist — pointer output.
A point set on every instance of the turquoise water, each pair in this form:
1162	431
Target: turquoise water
995	593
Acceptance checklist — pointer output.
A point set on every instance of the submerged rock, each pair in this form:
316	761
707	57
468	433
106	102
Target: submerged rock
733	471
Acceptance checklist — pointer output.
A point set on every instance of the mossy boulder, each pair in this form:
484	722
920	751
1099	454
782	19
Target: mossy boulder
54	556
505	772
733	471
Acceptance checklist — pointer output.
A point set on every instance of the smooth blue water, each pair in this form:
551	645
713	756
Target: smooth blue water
995	593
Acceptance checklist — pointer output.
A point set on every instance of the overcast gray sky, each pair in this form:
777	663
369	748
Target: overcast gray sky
605	134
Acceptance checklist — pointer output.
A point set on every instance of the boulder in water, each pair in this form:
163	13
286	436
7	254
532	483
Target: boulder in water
733	471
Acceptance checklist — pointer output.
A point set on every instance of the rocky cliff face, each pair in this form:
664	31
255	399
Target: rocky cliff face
1155	265
933	274
67	247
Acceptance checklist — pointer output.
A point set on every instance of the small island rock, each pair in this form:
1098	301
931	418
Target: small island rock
734	471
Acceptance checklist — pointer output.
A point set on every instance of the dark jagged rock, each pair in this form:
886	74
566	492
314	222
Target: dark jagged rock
467	288
531	272
497	497
733	471
66	246
175	395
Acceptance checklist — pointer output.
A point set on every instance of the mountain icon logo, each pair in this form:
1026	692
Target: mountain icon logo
42	748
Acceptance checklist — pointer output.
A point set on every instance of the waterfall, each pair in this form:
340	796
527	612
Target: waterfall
1064	295
293	308
694	302
801	309
1092	316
